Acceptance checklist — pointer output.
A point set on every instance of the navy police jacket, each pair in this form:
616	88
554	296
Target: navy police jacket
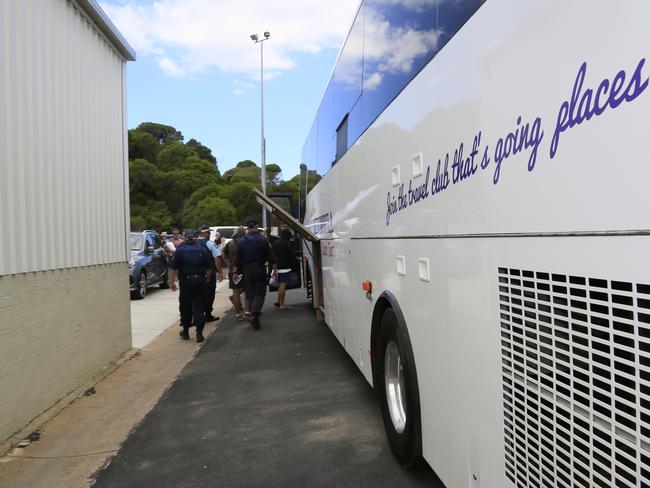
192	258
253	248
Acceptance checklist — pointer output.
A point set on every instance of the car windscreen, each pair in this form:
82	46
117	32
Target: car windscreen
227	233
136	242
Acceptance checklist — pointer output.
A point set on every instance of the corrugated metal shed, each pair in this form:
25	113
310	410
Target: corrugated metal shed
63	179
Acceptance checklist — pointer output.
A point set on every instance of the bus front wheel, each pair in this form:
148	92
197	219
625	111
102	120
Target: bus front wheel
398	391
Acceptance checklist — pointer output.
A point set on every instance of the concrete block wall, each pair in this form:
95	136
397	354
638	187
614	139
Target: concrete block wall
58	329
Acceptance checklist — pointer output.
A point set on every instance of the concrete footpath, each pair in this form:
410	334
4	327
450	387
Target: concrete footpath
280	407
159	309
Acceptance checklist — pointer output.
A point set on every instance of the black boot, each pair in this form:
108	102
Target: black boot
199	333
256	322
184	333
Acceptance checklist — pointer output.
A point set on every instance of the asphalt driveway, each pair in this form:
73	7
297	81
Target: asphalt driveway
280	407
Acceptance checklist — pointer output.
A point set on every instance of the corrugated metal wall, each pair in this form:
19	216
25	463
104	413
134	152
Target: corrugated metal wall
61	140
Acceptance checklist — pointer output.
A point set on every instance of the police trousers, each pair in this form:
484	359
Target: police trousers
192	301
255	285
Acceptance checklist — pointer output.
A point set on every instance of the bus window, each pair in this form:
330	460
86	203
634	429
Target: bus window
398	41
326	148
347	78
342	138
452	15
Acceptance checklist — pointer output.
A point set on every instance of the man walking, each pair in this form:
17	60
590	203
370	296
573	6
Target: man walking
253	252
195	267
215	252
234	284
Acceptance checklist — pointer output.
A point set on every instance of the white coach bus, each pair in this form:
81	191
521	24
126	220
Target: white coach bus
484	224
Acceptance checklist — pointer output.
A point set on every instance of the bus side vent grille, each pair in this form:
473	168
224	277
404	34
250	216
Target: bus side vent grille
576	380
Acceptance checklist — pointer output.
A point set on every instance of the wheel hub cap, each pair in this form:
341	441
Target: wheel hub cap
395	386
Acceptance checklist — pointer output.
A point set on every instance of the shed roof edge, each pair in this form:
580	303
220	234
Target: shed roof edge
104	23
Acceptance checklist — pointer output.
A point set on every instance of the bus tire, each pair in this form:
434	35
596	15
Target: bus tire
398	391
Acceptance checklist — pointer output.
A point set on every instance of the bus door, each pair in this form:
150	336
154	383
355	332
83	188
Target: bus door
284	216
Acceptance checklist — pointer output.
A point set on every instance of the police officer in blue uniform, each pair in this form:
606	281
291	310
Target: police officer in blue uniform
253	252
194	266
215	252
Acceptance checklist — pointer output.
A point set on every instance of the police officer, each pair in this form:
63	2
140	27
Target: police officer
253	252
194	266
215	252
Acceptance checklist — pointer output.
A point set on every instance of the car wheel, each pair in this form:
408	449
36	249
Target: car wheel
141	287
398	391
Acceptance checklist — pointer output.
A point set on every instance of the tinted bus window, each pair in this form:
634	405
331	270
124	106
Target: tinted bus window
398	41
452	16
327	124
388	44
348	78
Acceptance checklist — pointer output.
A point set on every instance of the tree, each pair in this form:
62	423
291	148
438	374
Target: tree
246	163
241	196
290	186
211	190
142	145
213	211
173	156
202	151
162	133
273	174
245	170
152	215
144	181
179	184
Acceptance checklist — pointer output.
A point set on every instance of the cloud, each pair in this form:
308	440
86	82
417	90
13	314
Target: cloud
189	37
388	44
169	67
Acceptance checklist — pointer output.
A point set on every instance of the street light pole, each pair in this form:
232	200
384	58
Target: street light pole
259	41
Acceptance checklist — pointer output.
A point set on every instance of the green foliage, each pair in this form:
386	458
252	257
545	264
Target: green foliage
210	190
138	222
273	174
202	151
173	156
247	171
162	133
241	194
144	177
153	215
244	171
142	145
210	210
247	163
290	186
177	183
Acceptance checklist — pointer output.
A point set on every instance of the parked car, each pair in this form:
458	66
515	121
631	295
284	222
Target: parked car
148	264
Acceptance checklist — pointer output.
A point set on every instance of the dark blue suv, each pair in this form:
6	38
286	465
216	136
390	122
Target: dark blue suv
148	263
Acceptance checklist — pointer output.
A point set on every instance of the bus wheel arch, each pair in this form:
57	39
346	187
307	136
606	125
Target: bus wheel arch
390	341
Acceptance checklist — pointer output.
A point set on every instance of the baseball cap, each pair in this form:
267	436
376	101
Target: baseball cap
204	228
189	233
251	224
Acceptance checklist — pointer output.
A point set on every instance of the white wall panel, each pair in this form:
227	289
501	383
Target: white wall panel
62	147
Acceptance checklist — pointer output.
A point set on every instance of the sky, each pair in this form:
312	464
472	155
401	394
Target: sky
198	70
